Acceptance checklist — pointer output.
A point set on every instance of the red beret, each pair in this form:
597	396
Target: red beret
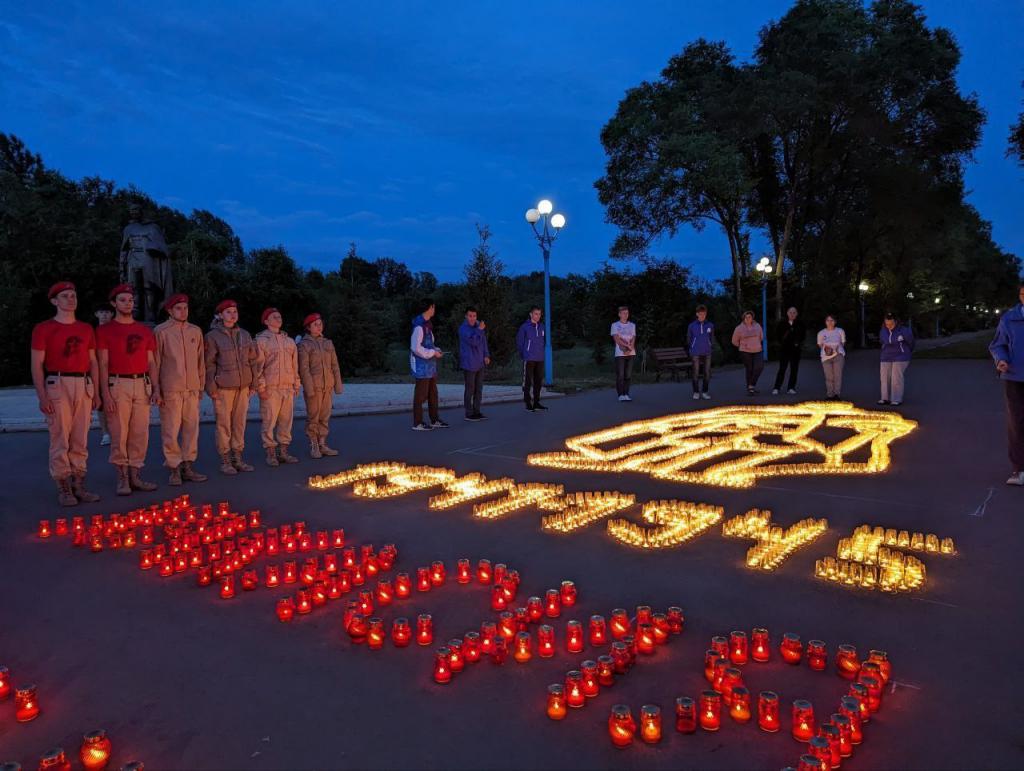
267	312
310	319
223	305
174	299
121	289
60	286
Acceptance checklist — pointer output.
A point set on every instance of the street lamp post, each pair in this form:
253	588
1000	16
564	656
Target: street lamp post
546	233
764	267
863	289
938	301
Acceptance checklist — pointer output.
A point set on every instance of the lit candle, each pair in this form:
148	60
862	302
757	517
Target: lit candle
204	575
545	641
847	662
645	638
463	575
768	711
661	628
881	658
621	726
650	723
285	609
710	710
810	762
385	592
732	678
358	627
843	725
819	748
60	526
522	617
534	609
874	686
423	583
348	557
620	655
675	619
738	647
605	670
816	655
620	625
498	601
483	572
303	604
524	647
338	538
5	683
403	585
499	651
556	702
145	559
95	750
401	634
574	636
437	573
375	634
574	689
227	587
711	658
306	542
849	708
760	645
739	705
26	706
591	686
803	720
331	562
499	572
859	692
456	659
44	530
598	631
488	635
507	624
686	715
442	666
471	647
552	603
721	645
424	629
366	602
791	649
567	594
832	735
291	573
358	575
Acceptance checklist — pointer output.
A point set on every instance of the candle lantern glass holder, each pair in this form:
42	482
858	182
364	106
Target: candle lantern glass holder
710	716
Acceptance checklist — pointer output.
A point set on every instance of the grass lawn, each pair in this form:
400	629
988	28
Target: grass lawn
972	348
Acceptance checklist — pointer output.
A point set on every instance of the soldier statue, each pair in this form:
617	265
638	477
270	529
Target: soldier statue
145	264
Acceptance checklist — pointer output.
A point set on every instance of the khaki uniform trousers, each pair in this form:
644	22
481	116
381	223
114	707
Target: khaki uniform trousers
129	422
179	427
277	410
230	408
318	413
69	424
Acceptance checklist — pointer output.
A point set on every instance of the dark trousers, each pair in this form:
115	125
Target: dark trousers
426	391
701	373
623	373
474	391
1014	390
533	379
791	359
753	363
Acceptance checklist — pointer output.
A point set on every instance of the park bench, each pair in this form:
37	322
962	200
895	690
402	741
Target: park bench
672	360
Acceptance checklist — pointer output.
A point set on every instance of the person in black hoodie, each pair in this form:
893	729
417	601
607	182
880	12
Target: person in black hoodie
791	334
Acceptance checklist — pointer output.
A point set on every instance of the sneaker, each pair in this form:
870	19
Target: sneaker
895	404
104	440
882	401
775	392
705	395
421	427
439	424
696	396
625	398
539	406
530	408
480	416
622	398
791	391
1016	479
471	418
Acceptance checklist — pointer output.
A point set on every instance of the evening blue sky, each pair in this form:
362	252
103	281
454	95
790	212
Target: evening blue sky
399	125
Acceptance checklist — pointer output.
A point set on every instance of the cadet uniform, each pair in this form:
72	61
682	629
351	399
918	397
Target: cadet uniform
278	383
67	363
181	369
126	369
232	368
321	377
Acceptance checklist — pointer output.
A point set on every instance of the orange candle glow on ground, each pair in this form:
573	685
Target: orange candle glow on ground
621	726
483	572
803	720
710	710
650	723
739	704
847	662
401	634
556	708
738	647
620	625
95	750
403	585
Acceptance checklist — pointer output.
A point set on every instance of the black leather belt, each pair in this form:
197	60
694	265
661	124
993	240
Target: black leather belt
66	374
130	377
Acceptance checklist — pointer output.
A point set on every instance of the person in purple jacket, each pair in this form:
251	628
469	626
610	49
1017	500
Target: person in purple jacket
530	344
474	355
700	337
1007	349
897	346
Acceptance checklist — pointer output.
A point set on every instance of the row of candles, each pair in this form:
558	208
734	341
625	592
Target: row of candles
94	755
899	573
577	510
773	544
675	523
866	541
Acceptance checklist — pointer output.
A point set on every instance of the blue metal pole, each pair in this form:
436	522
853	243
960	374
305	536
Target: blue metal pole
548	359
764	318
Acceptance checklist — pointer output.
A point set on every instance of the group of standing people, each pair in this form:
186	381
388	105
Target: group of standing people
123	367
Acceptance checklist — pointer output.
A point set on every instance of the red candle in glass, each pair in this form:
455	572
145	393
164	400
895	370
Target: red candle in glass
816	655
598	631
318	593
424	629
366	602
711	658
710	710
488	636
78	538
78	524
847	662
26	706
145	559
731	678
499	651
308	573
720	645
462	571
620	655
605	670
423	582
499	572
303	604
859	692
344	581
567	594
791	649
96	544
661	628
44	530
760	645
574	689
522	617
348	557
739	704
574	636
338	538
385	592
323	542
250	580
645	638
768	711
227	587
881	658
471	647
738	647
331	562
849	708
591	684
803	720
442	666
483	572
650	723
285	609
620	625
358	628
819	748
545	641
498	601
291	573
507	625
842	724
403	585
358	575
95	750
686	715
272	544
675	619
832	735
644	614
437	573
306	542
621	726
5	683
456	659
60	526
272	576
809	762
534	609
552	603
524	647
401	634
556	708
874	686
54	760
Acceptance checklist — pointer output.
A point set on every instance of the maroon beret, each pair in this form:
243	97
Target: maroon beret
121	289
223	305
60	286
267	312
310	319
174	299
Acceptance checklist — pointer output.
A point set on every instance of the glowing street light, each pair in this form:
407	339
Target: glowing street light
546	233
764	267
863	288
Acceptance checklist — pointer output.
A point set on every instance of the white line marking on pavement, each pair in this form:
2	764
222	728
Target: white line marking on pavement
980	511
903	685
935	602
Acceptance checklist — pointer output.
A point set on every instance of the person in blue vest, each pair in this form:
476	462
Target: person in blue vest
530	344
423	356
473	357
1007	349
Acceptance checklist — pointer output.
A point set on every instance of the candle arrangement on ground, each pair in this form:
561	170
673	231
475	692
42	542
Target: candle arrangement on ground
675	522
773	544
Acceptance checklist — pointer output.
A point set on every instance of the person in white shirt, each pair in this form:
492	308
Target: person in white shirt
624	334
832	342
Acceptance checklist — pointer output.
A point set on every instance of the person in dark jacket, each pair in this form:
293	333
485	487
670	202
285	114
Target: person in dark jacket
791	334
530	344
423	356
1007	349
897	345
473	357
700	339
